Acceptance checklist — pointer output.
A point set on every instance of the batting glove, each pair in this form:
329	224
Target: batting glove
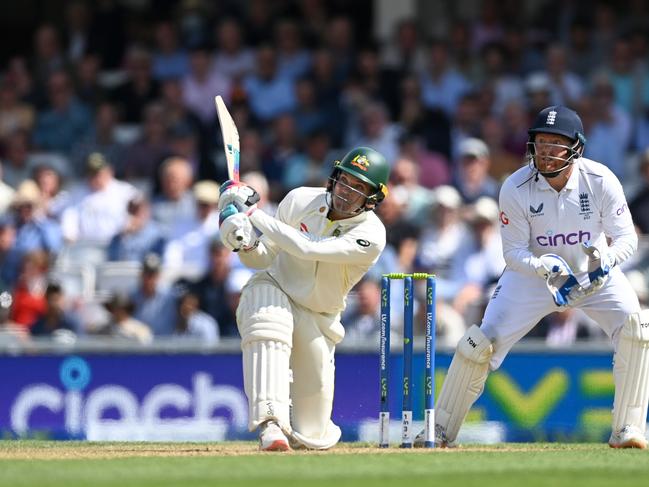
236	231
242	196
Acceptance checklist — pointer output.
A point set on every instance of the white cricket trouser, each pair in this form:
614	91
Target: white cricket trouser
276	334
519	301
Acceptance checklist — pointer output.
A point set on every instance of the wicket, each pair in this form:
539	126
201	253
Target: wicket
408	339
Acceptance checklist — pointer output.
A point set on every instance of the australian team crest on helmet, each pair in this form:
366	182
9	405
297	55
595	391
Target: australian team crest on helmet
361	162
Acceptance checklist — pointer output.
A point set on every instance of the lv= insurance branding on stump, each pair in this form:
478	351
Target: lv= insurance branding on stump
408	339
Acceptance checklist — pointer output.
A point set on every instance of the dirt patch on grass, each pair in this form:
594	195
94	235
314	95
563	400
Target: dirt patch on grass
48	450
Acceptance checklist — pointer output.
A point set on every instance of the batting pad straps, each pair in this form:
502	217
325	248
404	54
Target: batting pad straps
463	384
631	373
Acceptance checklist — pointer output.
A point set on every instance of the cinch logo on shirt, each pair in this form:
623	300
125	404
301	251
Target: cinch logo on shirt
573	238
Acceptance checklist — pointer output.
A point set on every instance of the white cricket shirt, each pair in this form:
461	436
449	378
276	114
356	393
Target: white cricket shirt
535	219
314	260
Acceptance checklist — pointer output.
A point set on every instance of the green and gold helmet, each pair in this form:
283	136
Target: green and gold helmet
369	166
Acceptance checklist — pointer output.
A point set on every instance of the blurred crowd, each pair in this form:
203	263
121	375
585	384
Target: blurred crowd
111	156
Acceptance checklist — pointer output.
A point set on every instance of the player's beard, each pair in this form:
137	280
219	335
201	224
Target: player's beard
343	206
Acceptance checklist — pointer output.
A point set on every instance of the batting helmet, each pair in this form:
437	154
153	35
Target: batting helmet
370	167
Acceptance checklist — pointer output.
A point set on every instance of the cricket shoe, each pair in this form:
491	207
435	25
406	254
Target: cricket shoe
628	437
440	439
272	438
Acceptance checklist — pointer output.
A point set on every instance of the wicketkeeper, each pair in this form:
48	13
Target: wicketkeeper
317	247
566	227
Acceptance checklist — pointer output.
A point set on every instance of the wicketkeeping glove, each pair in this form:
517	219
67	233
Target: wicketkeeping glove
560	280
242	196
236	231
599	264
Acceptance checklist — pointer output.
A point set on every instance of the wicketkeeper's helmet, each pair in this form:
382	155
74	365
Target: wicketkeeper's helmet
558	120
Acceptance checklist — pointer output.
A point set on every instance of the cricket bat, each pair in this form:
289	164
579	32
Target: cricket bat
230	138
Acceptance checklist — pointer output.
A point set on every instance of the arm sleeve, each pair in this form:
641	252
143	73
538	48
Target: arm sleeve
515	233
617	221
356	247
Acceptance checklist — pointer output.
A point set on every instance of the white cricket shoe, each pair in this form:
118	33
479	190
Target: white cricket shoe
440	440
272	438
628	437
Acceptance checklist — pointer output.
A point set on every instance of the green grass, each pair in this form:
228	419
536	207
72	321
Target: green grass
72	464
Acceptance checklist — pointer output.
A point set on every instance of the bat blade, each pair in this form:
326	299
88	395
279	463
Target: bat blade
230	136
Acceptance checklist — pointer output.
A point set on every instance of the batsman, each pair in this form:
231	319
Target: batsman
316	248
565	228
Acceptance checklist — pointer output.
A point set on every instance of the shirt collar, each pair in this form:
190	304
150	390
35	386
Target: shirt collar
572	183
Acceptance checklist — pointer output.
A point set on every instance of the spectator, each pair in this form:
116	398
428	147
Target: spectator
472	177
143	156
53	198
283	147
29	293
155	305
445	242
34	230
188	253
175	207
309	115
610	133
177	114
269	93
140	236
293	60
484	264
404	53
378	132
233	59
48	55
309	168
66	121
362	318
6	194
442	86
98	211
506	88
563	328
123	324
405	175
9	255
169	60
88	85
14	114
184	142
77	30
194	323
340	42
202	83
432	167
56	318
140	89
18	162
103	139
211	289
639	204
